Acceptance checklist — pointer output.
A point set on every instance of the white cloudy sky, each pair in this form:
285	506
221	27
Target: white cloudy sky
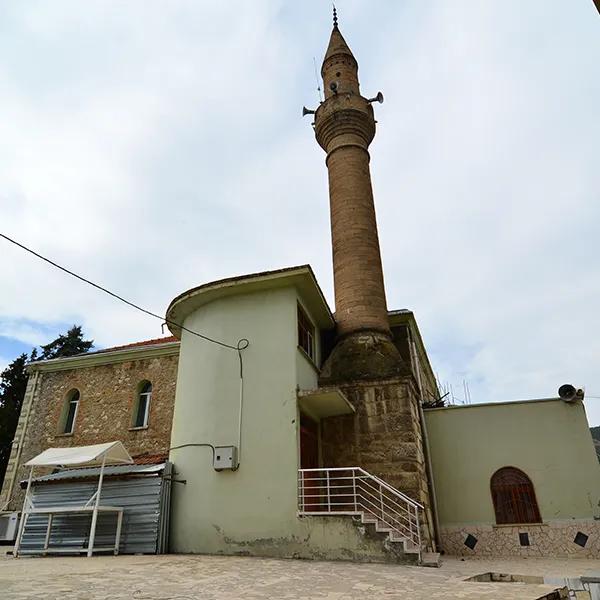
153	146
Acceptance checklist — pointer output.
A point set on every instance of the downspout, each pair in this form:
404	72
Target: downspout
241	345
427	451
33	381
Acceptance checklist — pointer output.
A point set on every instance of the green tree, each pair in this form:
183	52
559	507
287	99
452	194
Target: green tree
13	383
68	344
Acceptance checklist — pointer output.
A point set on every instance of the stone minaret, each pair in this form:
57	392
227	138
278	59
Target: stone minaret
344	127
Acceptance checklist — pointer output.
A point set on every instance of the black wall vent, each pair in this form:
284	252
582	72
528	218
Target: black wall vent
581	539
524	539
470	541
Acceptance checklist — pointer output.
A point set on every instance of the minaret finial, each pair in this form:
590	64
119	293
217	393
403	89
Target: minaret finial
335	20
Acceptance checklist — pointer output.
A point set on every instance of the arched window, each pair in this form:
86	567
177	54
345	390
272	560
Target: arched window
514	497
69	413
142	405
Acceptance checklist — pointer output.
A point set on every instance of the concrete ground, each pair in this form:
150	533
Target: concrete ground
186	577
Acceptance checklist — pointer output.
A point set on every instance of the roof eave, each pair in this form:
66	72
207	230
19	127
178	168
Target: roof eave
302	277
406	316
102	357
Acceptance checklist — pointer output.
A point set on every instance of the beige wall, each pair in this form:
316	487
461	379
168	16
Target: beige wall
548	440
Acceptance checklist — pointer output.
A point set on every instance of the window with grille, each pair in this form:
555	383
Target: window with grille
306	334
142	407
70	411
514	497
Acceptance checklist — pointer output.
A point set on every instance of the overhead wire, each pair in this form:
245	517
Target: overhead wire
242	343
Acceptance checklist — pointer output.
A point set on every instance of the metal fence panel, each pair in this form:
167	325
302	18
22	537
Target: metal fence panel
140	496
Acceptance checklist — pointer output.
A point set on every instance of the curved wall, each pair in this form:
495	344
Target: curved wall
217	510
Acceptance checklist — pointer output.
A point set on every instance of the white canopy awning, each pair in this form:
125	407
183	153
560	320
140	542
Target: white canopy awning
110	453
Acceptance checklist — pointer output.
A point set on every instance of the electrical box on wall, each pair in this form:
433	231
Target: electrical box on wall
8	526
225	458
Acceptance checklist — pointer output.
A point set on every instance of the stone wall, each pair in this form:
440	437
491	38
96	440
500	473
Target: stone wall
383	437
108	395
551	539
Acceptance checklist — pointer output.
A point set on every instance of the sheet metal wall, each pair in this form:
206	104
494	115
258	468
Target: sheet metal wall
142	498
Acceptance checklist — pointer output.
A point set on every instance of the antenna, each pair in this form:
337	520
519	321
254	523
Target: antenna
317	80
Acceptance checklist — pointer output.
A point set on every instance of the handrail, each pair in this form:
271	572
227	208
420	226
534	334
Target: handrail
393	489
406	499
354	491
368	476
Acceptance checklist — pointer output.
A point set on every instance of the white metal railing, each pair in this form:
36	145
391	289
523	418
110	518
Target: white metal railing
353	491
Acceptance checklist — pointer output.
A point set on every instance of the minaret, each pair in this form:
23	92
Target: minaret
344	127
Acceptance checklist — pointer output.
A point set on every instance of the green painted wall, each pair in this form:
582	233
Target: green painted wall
548	440
258	500
252	510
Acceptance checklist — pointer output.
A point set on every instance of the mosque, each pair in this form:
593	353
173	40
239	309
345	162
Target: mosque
304	432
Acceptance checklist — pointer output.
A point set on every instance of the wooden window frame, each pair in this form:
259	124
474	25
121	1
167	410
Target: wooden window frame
306	332
73	397
138	399
513	497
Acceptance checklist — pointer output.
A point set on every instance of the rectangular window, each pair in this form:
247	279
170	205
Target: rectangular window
70	418
141	417
306	334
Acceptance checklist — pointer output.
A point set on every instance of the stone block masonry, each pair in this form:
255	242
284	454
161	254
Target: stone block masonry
108	397
384	438
359	291
550	539
344	128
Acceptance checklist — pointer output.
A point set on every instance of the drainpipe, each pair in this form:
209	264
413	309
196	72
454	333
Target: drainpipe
427	452
242	344
33	382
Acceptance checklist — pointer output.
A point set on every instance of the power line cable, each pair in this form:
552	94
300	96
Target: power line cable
242	343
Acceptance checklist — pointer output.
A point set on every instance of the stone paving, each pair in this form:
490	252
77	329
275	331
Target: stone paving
186	577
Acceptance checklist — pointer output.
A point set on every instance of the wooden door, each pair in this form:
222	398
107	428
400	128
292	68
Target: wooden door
309	459
309	443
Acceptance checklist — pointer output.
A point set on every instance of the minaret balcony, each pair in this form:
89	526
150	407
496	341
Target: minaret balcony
344	115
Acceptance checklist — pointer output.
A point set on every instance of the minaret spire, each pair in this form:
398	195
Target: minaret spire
344	127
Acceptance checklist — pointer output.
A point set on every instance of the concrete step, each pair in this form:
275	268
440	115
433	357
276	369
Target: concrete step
431	559
383	528
368	518
380	527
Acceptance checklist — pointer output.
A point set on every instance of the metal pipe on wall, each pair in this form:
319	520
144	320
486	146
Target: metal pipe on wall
427	451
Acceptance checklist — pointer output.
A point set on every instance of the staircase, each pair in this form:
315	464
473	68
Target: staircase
354	492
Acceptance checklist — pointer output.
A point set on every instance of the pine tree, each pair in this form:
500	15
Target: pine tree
13	382
67	345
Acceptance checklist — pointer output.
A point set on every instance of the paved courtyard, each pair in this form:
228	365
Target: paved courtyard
184	577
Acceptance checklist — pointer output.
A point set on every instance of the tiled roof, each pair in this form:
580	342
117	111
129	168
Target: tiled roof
150	459
163	340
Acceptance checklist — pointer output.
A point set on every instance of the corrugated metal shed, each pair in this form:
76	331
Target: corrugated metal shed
94	472
142	490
